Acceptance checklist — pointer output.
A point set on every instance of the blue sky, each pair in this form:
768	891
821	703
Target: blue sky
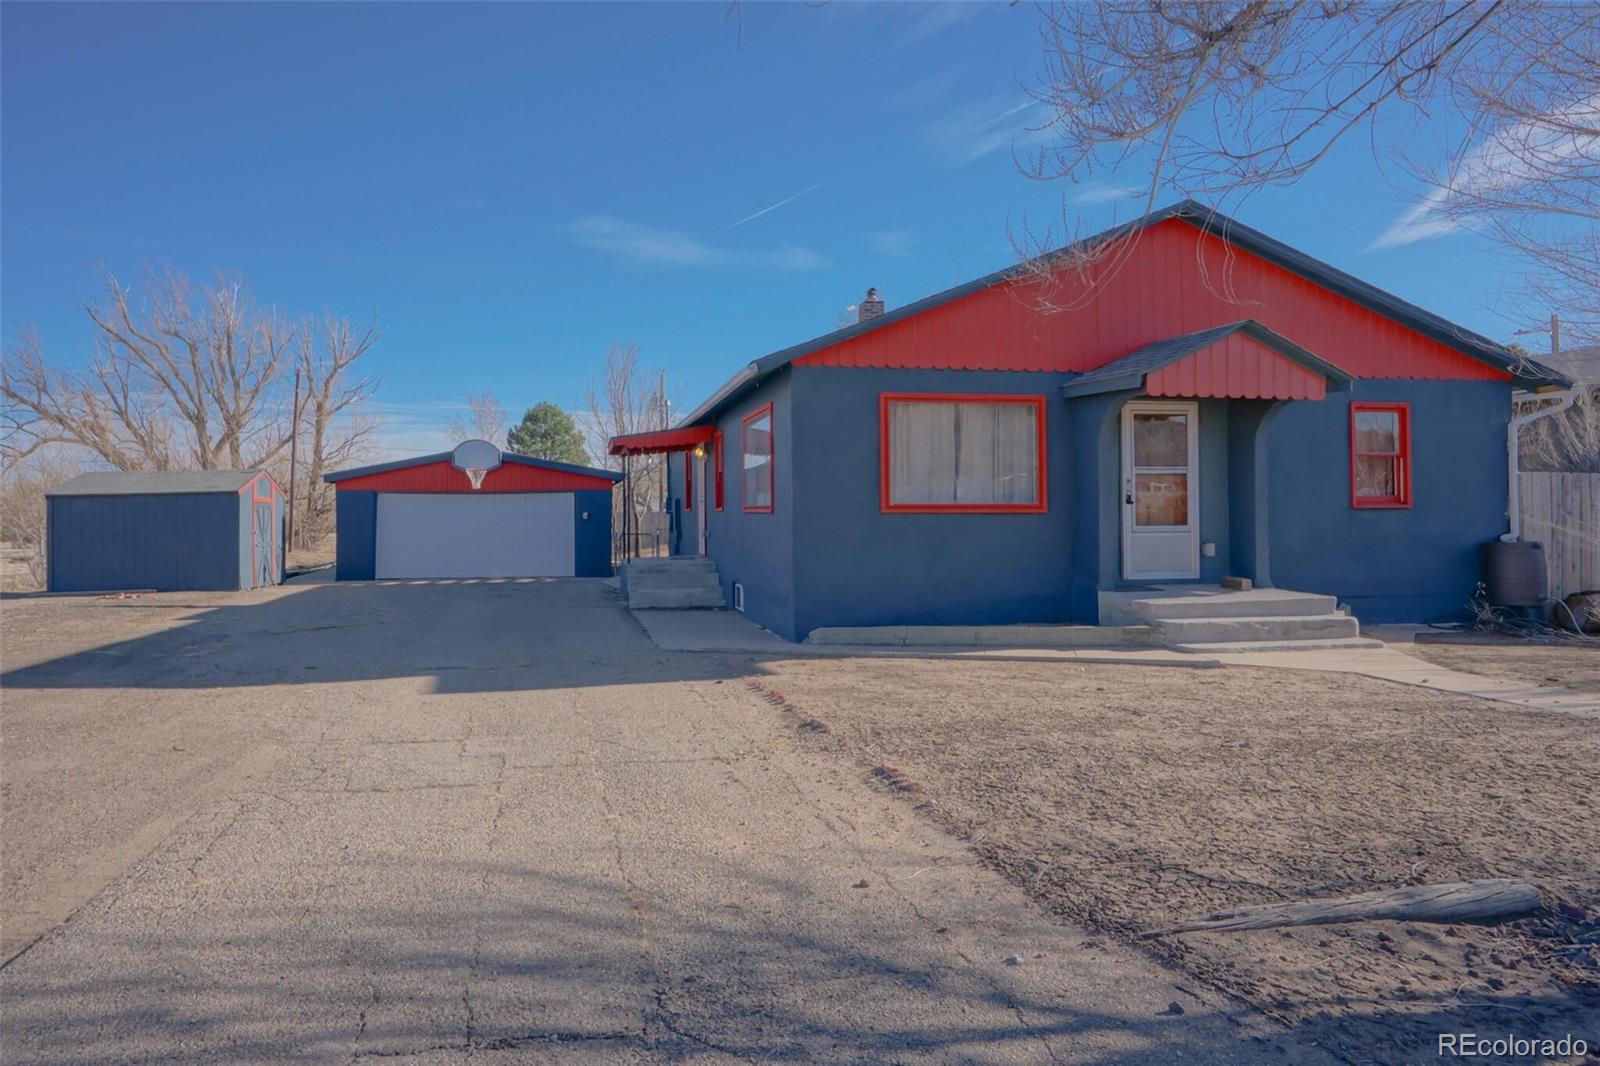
507	189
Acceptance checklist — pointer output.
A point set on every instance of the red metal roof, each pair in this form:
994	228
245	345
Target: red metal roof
1175	278
440	476
664	440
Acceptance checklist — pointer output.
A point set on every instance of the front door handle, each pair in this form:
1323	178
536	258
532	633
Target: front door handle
1128	499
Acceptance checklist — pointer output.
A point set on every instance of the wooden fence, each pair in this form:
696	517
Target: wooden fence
1562	512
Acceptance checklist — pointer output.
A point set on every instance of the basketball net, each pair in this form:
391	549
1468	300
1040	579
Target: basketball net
476	477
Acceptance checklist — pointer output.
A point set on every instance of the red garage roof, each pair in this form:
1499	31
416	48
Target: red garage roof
436	473
664	440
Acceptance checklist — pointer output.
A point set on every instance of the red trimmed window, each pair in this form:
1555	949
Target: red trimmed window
973	454
716	467
1380	455
757	454
688	481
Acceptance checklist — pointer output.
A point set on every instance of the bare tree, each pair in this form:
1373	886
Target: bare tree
22	515
180	378
485	419
333	431
1221	99
622	398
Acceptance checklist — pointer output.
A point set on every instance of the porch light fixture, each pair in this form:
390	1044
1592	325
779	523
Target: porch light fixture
699	451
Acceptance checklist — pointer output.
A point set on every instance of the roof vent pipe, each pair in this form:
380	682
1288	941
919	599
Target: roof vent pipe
870	307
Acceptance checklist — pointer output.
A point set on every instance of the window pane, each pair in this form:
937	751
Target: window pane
1161	499
1160	440
1377	477
758	462
963	453
1378	431
922	453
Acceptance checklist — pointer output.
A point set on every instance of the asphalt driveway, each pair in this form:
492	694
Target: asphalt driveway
493	820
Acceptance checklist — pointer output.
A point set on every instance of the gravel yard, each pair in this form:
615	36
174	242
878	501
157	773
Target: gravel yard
1128	799
1571	663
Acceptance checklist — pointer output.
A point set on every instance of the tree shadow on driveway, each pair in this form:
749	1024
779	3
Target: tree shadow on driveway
467	636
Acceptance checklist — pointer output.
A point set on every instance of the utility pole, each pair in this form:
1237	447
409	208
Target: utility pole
1555	334
294	441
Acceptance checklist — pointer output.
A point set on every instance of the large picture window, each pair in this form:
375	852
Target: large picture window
1380	455
757	453
974	454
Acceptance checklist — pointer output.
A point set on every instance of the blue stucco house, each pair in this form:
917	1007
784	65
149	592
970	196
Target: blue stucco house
1199	400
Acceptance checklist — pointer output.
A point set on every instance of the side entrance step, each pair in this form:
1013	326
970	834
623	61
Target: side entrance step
676	583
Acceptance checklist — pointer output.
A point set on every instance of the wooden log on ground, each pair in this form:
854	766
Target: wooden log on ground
1461	901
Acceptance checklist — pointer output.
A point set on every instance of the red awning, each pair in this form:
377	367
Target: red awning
663	440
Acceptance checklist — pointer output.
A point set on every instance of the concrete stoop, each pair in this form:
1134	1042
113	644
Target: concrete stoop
681	582
1208	619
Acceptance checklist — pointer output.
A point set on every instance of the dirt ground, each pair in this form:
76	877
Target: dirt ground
1572	663
1128	799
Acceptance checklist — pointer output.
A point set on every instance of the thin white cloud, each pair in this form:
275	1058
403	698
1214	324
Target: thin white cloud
657	246
1513	156
934	19
891	242
1104	194
773	207
974	130
640	243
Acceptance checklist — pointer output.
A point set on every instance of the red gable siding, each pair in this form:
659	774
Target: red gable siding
1175	279
440	476
1237	366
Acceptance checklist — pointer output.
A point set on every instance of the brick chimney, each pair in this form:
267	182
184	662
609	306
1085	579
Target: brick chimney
871	307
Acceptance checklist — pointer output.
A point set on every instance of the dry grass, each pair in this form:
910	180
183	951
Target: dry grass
1126	799
1570	662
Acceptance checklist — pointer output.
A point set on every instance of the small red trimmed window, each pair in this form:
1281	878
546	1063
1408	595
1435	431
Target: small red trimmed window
756	449
716	467
688	481
976	454
1380	455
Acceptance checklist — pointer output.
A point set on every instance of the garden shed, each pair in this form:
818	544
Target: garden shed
165	530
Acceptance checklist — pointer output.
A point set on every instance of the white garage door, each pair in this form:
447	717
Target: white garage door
523	534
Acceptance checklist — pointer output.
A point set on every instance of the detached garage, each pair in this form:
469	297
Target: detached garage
470	513
165	530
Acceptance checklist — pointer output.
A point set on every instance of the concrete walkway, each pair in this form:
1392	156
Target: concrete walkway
1388	664
722	631
450	821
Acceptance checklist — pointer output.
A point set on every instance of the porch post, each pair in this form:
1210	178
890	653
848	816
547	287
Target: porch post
1248	536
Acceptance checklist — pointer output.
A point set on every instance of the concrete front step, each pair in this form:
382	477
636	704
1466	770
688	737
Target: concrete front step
678	583
1257	603
1242	646
1273	628
675	599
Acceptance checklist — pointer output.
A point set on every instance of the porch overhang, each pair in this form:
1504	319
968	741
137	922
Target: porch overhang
1243	360
663	440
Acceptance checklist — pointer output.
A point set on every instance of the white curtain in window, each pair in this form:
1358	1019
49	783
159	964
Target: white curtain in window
962	453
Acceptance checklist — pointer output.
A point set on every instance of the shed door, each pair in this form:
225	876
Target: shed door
492	534
266	546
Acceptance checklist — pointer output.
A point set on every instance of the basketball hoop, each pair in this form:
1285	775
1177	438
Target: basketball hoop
475	458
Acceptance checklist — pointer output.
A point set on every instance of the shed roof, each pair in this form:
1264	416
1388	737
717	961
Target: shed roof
155	482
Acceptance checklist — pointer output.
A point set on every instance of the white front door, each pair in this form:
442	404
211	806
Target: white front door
700	496
1160	490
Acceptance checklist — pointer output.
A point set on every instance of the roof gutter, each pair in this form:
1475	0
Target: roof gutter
1564	399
